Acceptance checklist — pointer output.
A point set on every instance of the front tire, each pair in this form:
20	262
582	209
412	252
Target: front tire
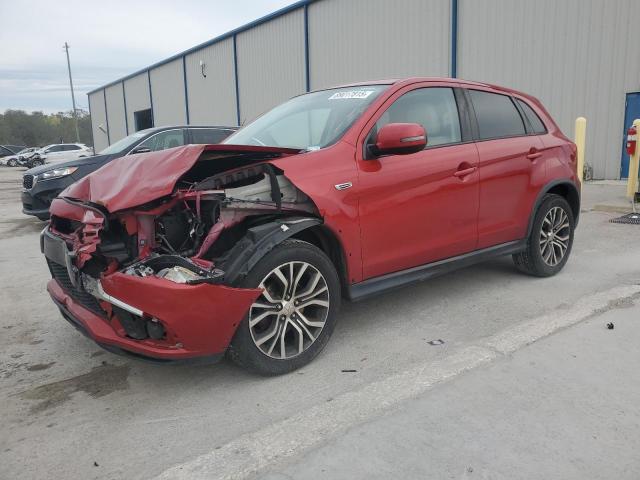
36	163
549	244
293	319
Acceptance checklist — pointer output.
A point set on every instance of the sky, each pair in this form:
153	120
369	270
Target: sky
108	39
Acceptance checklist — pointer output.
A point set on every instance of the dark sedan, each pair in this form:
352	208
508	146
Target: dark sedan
42	184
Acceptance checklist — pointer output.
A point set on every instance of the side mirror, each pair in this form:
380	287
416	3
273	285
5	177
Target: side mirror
141	150
400	139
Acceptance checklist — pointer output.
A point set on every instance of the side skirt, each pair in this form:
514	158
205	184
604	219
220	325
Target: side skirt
391	281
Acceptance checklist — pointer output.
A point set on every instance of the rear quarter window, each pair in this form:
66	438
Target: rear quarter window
534	120
497	115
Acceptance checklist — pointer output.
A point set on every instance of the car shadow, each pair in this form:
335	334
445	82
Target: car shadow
354	317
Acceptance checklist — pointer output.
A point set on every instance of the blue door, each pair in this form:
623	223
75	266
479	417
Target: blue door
631	112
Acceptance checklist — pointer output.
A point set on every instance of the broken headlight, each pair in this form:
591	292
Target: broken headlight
176	269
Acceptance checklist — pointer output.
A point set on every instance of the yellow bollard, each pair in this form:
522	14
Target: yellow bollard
580	139
632	181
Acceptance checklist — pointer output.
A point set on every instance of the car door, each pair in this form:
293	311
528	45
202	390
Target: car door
512	168
420	207
70	152
54	154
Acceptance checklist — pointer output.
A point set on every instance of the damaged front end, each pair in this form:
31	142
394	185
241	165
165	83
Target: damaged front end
163	278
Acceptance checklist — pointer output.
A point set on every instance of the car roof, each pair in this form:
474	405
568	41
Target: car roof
169	127
410	80
55	144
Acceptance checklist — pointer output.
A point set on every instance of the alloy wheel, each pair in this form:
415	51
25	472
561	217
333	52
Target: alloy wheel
291	312
554	236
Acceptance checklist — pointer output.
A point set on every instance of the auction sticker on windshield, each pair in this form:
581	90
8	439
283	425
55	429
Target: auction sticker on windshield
351	94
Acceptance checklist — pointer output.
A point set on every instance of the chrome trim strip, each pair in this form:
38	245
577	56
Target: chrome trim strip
94	287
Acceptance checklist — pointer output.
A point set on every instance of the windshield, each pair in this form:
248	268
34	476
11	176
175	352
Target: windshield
126	142
309	122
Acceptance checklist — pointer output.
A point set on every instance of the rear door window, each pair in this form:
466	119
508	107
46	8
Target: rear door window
534	120
208	136
164	140
434	108
497	115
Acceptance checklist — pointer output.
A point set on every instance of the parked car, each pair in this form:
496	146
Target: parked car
42	184
7	151
248	247
58	153
10	148
17	159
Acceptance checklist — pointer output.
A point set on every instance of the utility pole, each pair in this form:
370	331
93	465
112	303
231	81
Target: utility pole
73	97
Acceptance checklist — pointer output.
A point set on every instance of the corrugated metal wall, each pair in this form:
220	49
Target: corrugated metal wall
167	89
212	99
137	93
579	57
360	40
271	64
98	120
115	110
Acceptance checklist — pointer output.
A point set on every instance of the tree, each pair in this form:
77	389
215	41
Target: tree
36	129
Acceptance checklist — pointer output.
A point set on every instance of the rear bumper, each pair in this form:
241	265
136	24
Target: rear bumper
200	320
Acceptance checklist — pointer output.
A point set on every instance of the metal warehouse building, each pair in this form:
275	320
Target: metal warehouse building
580	57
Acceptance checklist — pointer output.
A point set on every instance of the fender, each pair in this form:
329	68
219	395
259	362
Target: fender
257	242
573	191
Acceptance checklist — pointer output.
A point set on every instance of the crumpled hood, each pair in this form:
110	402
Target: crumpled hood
134	180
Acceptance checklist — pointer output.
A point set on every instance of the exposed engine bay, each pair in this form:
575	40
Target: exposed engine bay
184	238
208	228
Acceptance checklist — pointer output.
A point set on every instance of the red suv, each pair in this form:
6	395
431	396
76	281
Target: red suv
248	247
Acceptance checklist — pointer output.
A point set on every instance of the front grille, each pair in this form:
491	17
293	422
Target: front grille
85	299
27	181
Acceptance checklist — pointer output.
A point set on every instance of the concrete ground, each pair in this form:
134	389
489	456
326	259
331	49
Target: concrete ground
450	353
610	196
565	407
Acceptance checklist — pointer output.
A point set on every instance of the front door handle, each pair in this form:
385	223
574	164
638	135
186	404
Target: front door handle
464	172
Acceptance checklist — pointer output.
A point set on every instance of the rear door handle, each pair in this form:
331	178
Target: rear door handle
533	154
464	172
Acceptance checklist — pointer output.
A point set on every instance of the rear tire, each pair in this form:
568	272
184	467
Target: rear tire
550	241
288	325
12	163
